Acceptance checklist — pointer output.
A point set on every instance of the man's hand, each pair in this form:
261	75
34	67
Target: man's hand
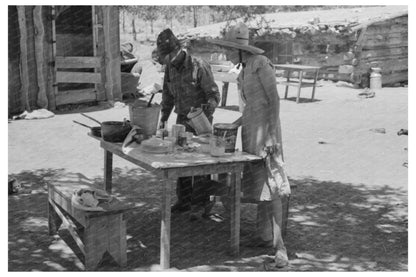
212	104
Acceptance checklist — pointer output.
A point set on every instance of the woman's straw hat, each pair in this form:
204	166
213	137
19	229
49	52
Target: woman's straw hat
237	37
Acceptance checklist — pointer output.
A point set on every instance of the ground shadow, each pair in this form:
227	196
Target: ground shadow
82	108
338	226
332	227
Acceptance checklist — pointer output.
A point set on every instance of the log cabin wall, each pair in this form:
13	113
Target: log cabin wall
32	80
30	75
384	45
344	51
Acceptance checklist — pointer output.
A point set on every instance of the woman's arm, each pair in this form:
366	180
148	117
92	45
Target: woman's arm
267	78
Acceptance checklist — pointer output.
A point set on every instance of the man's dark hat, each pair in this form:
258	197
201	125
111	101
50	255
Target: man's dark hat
167	42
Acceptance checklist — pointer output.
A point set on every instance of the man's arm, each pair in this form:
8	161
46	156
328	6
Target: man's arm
208	85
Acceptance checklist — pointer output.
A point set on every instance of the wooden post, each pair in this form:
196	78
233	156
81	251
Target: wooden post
112	53
165	223
42	100
24	67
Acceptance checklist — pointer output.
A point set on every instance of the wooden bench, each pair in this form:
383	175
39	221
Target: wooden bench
95	232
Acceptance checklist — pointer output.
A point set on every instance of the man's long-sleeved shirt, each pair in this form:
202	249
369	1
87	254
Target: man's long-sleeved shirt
187	85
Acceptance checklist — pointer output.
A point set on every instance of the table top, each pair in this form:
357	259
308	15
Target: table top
178	159
296	67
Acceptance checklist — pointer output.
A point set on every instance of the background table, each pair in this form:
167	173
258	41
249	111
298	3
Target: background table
180	164
300	82
226	78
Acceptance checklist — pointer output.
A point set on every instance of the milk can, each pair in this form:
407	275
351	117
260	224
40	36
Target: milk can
375	78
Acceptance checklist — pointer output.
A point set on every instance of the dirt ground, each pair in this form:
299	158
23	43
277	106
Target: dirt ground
348	210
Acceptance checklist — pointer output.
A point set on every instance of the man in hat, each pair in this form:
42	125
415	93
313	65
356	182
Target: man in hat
188	82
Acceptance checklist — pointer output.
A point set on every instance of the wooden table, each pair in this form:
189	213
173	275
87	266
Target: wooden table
180	164
300	82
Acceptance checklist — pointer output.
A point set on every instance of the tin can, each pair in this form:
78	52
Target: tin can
182	139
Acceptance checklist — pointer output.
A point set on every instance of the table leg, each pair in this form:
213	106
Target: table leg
314	84
287	86
108	170
224	94
300	85
165	224
235	212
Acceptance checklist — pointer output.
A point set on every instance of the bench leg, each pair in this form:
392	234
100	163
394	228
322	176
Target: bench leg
117	243
54	221
95	241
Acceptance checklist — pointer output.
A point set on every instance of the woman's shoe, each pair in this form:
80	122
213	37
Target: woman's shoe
281	258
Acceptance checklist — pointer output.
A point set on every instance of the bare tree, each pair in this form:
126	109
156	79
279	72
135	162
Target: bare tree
169	13
149	14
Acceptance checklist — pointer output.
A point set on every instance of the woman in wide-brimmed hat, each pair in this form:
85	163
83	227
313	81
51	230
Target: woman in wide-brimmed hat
264	181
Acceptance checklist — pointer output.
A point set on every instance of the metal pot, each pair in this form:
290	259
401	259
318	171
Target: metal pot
115	131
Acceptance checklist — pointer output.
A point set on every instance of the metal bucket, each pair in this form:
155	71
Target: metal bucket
145	117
